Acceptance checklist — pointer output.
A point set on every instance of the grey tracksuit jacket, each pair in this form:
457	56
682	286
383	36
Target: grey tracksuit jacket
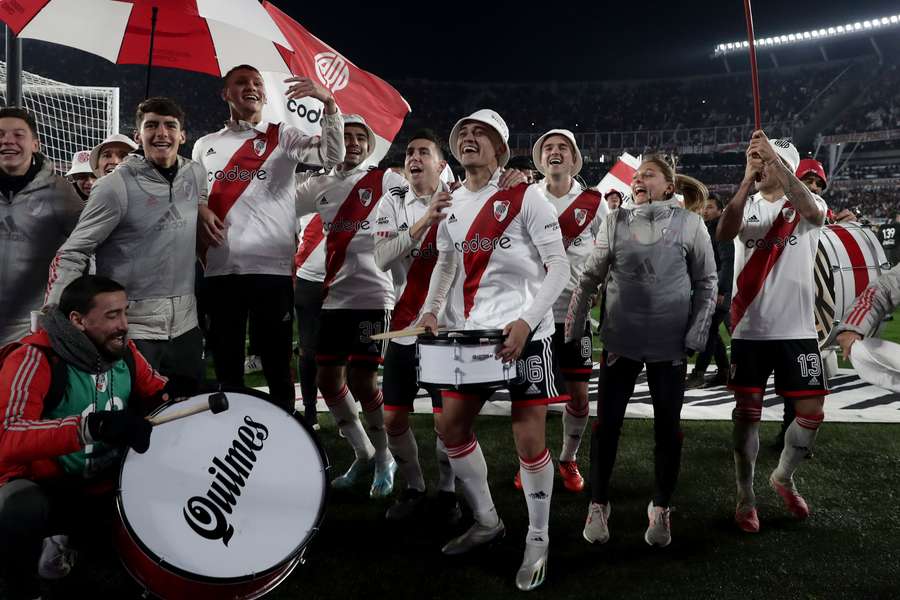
143	231
33	225
662	283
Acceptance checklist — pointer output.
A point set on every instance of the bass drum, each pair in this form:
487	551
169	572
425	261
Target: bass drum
222	506
849	258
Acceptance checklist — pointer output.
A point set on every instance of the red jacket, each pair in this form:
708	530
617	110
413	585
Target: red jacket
28	443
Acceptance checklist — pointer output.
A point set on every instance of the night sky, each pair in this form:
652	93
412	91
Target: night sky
515	41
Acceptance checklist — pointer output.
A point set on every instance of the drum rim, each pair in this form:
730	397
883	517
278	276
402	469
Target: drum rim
295	555
468	387
470	337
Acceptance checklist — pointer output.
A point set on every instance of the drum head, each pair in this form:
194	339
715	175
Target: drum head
225	497
826	310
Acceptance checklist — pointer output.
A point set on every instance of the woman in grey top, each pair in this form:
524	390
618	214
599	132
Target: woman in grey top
658	263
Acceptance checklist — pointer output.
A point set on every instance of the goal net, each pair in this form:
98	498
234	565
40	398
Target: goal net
70	118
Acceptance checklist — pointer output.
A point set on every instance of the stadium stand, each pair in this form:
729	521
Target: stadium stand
704	120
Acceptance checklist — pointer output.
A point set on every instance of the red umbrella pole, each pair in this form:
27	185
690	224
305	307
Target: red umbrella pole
754	73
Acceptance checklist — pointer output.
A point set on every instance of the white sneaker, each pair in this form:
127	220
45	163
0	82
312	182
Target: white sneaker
659	531
252	364
359	470
57	558
476	535
534	567
383	481
596	527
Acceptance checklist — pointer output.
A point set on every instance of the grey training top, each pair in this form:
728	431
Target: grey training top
33	225
143	231
662	283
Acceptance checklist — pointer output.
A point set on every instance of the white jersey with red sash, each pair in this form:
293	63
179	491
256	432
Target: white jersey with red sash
411	272
346	202
496	234
774	285
250	170
310	258
581	212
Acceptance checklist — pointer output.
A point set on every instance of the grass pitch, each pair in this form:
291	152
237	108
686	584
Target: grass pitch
848	548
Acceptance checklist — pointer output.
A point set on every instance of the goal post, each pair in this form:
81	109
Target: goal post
70	118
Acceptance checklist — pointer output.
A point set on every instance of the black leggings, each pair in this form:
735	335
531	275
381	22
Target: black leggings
715	347
666	381
270	301
308	304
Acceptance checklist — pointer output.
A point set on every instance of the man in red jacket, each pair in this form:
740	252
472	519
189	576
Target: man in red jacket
71	396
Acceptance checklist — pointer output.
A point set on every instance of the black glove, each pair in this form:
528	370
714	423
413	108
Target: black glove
120	427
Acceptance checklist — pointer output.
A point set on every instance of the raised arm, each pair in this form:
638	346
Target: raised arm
798	194
732	218
326	150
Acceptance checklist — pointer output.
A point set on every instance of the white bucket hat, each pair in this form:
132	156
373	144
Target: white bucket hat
788	152
492	120
116	138
538	146
361	122
878	362
81	163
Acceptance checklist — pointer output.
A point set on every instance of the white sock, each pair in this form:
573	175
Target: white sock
746	448
343	409
573	430
537	484
469	466
406	453
373	414
798	440
446	478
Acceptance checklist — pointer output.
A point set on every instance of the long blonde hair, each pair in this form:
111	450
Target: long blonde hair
694	191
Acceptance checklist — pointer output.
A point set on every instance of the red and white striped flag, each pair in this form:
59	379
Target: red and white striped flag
355	90
619	177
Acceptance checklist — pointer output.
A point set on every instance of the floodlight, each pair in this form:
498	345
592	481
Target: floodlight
813	34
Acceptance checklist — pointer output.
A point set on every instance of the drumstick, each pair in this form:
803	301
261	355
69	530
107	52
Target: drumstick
409	331
217	403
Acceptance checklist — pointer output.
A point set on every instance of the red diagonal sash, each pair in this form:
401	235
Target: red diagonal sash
417	279
352	210
312	235
226	191
483	236
857	259
588	201
757	269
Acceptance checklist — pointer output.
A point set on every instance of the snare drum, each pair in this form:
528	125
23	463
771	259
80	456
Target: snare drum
221	505
463	360
848	259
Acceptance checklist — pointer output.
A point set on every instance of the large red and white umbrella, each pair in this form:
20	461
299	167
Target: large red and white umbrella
206	36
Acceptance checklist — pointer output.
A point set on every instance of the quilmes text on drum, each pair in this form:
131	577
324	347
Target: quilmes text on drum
221	505
461	359
849	257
